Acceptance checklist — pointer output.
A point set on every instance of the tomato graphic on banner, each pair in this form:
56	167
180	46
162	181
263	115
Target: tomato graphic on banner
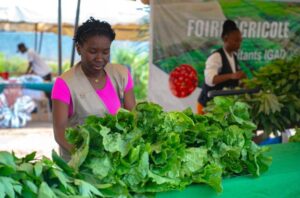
183	80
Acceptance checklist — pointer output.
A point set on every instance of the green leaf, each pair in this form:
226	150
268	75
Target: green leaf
31	186
256	162
8	186
162	180
2	191
134	154
114	142
104	163
81	153
234	137
38	169
211	175
7	159
45	191
61	176
87	189
26	167
62	164
137	174
29	157
6	170
194	160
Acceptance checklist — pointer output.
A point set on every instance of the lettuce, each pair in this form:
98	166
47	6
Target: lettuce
149	150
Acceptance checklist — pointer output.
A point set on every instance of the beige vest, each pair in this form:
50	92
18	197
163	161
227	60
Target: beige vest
84	97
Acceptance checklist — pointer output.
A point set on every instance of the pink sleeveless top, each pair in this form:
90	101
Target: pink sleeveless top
107	94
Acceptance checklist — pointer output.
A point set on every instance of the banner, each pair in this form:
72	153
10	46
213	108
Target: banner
185	33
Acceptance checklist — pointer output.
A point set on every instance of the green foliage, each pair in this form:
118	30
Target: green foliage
12	65
139	68
17	65
54	66
139	153
149	150
28	177
296	137
277	106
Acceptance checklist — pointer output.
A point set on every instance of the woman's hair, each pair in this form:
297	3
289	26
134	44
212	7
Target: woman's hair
93	27
228	27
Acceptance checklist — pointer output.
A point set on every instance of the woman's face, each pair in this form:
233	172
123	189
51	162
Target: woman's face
95	54
232	41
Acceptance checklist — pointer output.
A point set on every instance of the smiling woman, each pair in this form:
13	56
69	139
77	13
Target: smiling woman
93	86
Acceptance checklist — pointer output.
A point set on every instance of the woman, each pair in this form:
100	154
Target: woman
222	68
91	87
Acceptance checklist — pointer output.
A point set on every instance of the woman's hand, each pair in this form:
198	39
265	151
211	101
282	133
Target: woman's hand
129	100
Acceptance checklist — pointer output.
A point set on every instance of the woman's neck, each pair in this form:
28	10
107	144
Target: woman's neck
95	75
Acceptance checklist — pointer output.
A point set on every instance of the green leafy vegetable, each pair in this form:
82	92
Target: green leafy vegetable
140	153
149	150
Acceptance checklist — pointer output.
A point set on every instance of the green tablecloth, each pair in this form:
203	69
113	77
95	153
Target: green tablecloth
45	86
281	180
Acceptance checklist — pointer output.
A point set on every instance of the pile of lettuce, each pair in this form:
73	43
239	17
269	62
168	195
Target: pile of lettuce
140	153
148	150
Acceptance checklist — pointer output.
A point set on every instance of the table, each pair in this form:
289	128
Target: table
281	180
44	86
230	92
